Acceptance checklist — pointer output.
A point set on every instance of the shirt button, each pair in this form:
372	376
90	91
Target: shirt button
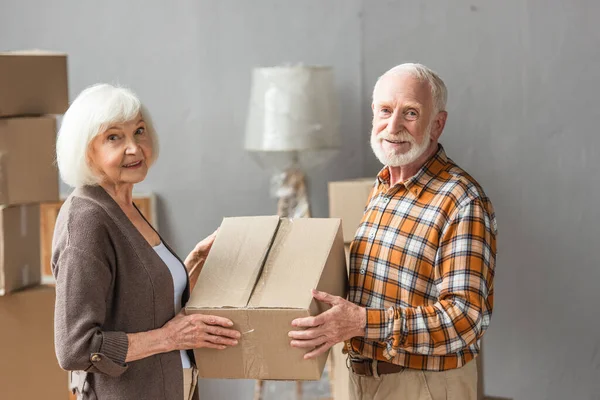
96	358
362	271
386	200
371	235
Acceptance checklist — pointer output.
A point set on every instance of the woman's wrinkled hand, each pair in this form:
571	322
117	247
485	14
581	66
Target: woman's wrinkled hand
195	331
195	260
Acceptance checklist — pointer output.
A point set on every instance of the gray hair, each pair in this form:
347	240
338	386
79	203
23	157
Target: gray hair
439	93
92	112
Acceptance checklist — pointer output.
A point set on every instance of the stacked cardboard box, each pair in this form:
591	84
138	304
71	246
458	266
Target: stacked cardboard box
347	200
33	87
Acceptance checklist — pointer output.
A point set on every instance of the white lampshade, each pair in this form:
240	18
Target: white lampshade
292	109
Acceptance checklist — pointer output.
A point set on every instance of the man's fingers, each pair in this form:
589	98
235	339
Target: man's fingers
319	350
325	297
308	322
309	344
306	334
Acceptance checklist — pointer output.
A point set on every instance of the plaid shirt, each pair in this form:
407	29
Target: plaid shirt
422	263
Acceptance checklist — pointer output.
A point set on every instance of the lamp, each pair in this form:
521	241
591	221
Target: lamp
293	123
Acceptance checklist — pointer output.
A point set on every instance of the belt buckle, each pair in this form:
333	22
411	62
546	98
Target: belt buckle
367	366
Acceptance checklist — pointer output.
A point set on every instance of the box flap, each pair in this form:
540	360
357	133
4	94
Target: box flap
295	263
234	262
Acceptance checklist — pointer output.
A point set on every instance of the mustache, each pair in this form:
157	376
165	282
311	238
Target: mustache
402	136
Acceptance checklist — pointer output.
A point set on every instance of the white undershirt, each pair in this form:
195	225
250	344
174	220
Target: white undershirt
179	274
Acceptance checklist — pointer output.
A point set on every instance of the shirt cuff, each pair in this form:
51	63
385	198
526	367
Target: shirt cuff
378	323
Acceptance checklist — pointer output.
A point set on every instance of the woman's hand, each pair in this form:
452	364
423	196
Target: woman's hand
196	330
195	260
181	333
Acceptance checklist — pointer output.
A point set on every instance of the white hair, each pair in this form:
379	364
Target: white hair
439	92
92	112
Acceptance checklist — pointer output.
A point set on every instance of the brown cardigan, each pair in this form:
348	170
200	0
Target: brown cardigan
110	282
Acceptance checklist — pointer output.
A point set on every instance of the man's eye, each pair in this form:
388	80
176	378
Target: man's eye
411	114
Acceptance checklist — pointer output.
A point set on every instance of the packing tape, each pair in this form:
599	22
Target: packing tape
23	221
252	356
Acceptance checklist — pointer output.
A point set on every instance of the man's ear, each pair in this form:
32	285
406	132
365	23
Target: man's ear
438	125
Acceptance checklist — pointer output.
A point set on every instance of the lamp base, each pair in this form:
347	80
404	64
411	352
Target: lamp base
290	189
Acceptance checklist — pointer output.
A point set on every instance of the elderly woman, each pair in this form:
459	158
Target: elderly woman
119	287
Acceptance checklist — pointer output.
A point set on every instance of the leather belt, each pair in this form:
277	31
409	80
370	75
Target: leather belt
368	367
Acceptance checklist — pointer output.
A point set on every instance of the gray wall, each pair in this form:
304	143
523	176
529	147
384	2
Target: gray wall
522	77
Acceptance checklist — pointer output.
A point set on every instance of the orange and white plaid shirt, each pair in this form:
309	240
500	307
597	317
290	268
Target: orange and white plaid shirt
422	263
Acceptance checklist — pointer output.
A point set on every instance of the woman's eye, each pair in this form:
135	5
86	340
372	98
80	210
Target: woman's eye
140	131
112	138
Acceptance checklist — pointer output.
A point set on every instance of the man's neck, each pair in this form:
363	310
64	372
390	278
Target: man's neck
405	172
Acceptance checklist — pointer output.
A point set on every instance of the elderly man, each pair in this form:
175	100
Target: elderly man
421	263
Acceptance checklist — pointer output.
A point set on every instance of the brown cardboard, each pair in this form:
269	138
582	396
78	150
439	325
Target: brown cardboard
259	273
33	83
340	374
347	253
27	152
480	385
28	366
347	200
19	247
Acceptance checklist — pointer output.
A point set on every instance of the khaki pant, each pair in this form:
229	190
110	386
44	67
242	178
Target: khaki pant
412	384
190	380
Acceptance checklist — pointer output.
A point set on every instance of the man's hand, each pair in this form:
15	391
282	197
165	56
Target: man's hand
344	320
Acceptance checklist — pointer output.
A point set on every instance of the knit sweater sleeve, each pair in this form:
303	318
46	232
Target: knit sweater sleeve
84	277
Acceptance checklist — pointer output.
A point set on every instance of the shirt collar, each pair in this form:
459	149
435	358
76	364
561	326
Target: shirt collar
429	171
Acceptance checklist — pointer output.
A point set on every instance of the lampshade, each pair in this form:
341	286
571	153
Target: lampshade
292	109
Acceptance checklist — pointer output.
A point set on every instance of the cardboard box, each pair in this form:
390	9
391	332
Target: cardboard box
480	385
146	203
28	366
347	200
259	273
27	153
340	374
33	83
347	253
20	247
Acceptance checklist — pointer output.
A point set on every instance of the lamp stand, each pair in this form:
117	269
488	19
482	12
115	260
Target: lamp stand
290	190
291	193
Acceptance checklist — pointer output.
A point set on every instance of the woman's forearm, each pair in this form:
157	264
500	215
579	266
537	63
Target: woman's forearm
146	344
